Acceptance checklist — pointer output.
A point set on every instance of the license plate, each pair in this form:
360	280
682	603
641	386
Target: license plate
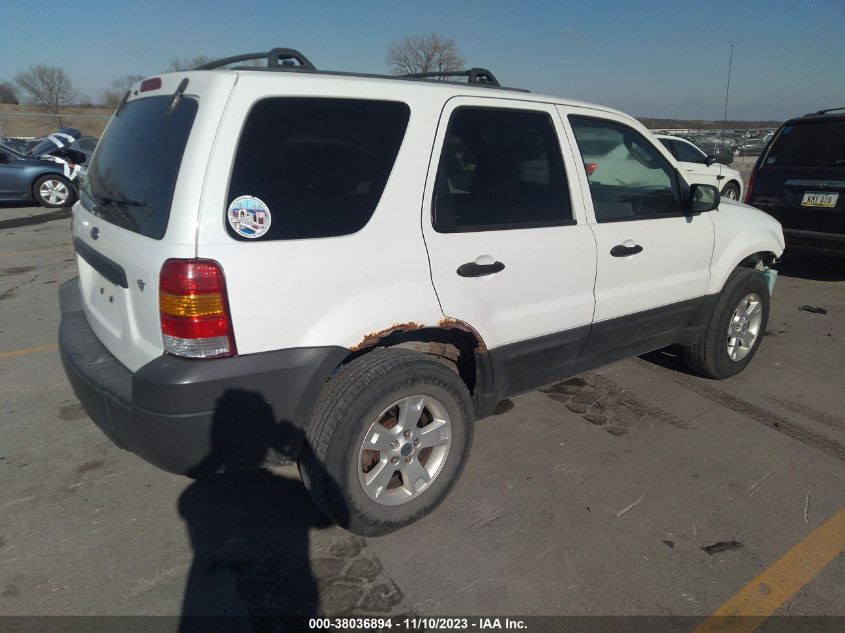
819	199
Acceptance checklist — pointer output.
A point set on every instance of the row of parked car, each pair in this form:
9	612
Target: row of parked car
45	171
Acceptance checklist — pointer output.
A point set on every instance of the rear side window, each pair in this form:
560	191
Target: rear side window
500	169
629	179
319	165
819	144
131	179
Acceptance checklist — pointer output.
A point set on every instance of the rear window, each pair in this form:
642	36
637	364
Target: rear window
319	166
130	181
819	144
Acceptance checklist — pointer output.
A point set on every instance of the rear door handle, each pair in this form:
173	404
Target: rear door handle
473	269
622	250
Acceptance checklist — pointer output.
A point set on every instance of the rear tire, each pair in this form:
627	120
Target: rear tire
358	433
53	191
731	191
735	329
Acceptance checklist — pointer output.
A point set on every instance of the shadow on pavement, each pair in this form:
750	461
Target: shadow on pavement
671	357
811	266
249	530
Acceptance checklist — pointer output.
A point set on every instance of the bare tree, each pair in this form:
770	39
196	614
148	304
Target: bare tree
111	96
48	87
7	93
424	54
186	63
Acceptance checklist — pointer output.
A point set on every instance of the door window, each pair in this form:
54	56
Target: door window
629	178
500	169
688	153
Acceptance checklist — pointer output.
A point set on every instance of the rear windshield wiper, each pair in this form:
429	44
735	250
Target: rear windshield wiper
113	207
120	201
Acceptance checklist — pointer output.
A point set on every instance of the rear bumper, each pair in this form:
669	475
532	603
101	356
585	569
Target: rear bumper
194	417
827	243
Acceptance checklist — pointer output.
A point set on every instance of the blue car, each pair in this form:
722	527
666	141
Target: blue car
48	180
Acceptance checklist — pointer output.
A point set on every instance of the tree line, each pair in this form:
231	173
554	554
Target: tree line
51	90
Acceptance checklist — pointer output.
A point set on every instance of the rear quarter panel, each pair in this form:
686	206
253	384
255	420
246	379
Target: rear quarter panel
333	290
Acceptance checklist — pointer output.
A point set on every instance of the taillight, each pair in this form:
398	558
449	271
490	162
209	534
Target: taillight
194	309
591	168
751	180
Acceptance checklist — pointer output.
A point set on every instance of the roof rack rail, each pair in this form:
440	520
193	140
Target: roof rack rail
278	57
291	60
828	110
475	76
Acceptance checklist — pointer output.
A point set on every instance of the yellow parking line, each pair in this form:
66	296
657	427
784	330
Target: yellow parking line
762	596
29	350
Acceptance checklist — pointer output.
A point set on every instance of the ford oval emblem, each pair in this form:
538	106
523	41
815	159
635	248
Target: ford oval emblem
95	232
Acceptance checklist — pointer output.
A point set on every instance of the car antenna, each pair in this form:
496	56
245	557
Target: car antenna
727	92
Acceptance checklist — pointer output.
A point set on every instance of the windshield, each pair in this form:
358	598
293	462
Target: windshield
818	144
133	173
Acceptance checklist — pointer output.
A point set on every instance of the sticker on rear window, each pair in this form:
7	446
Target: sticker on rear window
249	216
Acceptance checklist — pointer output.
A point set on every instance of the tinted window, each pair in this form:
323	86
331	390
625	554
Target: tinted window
688	153
320	165
670	145
629	178
130	182
809	145
500	169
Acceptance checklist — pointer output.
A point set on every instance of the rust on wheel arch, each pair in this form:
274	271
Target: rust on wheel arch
372	339
450	323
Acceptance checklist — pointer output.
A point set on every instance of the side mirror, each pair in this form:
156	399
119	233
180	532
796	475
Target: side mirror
704	198
712	158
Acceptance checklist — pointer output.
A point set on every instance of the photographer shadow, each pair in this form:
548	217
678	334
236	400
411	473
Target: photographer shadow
249	528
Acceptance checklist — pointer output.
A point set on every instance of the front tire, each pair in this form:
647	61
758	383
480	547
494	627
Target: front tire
388	439
53	191
735	329
731	191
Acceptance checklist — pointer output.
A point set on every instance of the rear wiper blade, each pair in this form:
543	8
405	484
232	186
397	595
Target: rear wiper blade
113	207
118	200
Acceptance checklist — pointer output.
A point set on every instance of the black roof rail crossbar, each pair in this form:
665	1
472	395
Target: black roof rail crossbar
826	111
476	76
275	58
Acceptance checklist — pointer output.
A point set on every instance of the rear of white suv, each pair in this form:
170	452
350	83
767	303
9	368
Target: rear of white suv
145	314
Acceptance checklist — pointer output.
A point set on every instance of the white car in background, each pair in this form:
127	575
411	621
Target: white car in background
700	168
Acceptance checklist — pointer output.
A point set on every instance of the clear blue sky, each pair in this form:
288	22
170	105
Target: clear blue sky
660	59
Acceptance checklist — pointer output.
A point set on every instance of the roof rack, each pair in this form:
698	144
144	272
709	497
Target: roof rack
291	60
475	76
282	58
824	111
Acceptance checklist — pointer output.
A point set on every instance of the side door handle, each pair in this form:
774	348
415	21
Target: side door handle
622	250
473	269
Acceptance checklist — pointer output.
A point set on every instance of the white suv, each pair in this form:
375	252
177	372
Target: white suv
701	168
351	270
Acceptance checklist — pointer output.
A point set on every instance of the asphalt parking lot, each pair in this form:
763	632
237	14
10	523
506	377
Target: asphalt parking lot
636	489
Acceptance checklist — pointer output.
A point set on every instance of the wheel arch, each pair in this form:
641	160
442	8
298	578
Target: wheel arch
759	260
453	342
738	184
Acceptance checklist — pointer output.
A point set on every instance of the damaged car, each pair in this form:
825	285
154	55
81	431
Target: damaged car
48	173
